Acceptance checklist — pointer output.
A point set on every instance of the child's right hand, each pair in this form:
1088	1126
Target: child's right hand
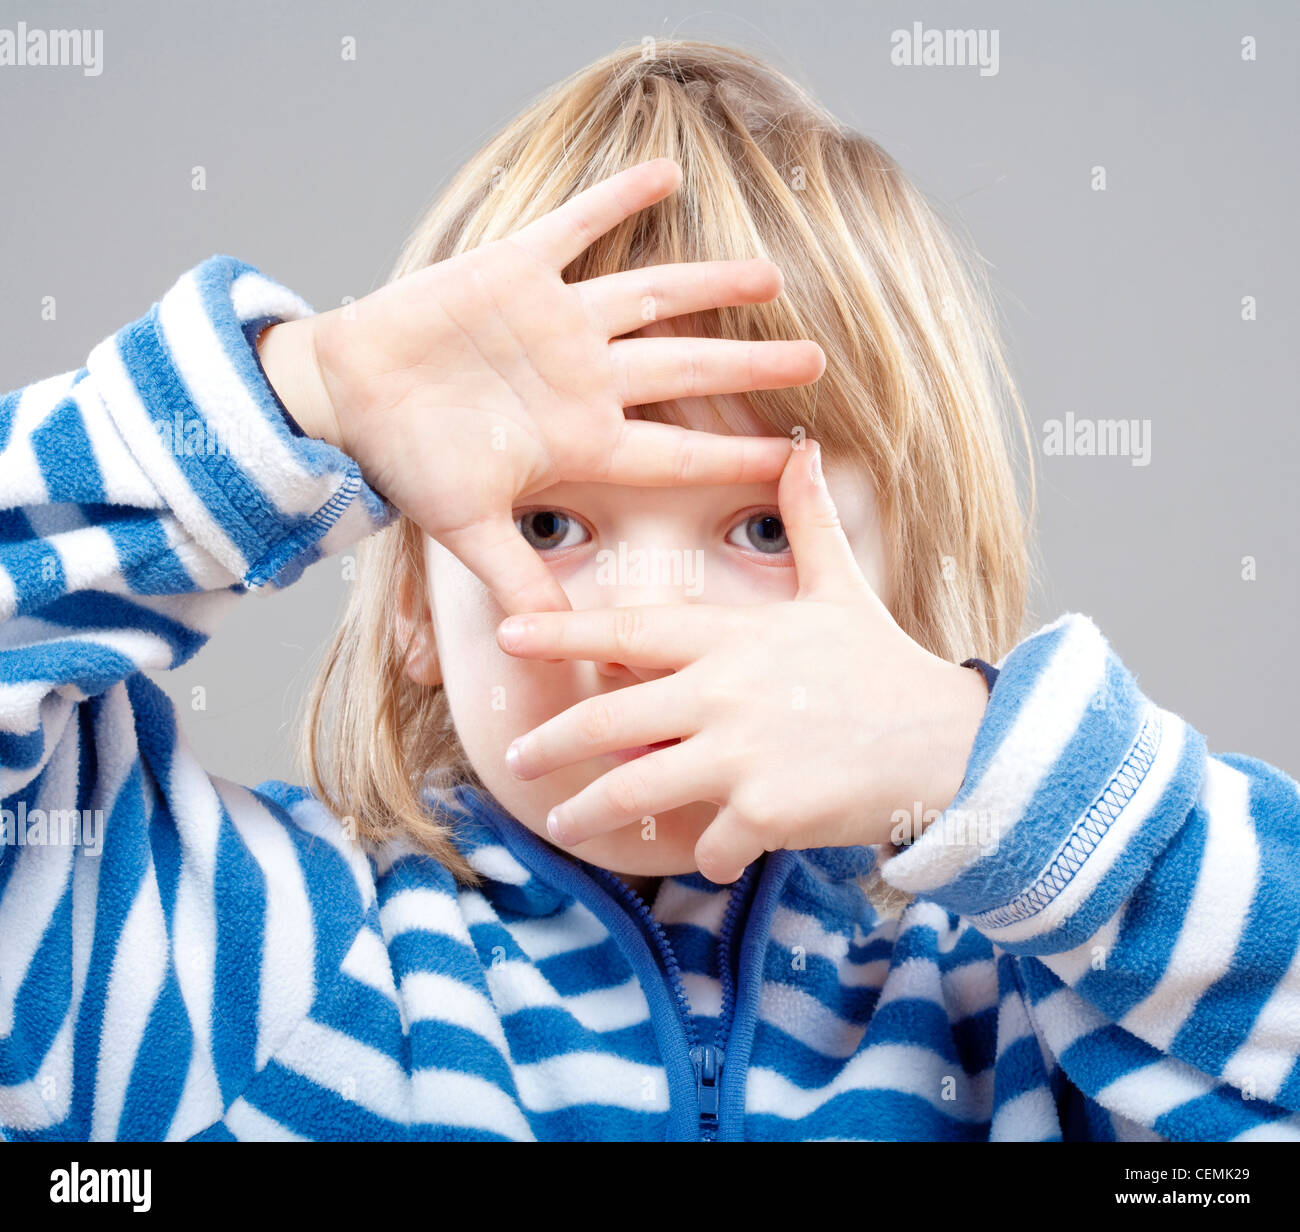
464	387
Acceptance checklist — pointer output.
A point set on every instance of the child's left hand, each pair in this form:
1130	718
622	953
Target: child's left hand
808	722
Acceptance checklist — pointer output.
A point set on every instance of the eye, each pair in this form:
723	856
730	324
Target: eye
763	532
548	529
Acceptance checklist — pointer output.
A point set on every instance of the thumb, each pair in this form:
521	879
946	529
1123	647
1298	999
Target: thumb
502	559
823	559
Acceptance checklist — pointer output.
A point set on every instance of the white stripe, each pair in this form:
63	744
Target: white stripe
1013	1023
910	1069
352	1070
195	810
45	1100
369	963
21	480
1144	1094
254	295
806	1018
1063	1017
137	428
1215	916
684	904
970	989
447	1098
287	975
1131	1131
1113	844
574	1078
41	879
520	986
494	860
312	817
704	993
575	928
229	407
422	910
798	931
1030	1117
1073	965
1284	1130
1268	1054
32	896
123	481
429	996
250	1124
8	595
139	969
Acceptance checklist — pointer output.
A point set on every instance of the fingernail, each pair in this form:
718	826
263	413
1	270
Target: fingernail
815	464
512	631
512	757
553	826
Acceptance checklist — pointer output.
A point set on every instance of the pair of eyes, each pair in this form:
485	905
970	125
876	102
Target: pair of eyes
550	529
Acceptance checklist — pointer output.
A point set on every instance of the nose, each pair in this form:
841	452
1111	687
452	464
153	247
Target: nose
637	585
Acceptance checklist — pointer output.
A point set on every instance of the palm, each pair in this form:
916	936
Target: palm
465	386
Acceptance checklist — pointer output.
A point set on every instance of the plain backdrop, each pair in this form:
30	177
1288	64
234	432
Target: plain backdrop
1125	303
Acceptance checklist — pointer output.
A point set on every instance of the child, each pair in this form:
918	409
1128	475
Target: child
809	878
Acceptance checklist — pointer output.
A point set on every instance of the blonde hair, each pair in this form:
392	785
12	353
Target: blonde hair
916	389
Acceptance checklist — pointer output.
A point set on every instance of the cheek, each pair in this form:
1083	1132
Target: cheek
493	696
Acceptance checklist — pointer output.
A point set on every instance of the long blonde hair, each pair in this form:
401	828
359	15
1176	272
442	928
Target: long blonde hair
916	389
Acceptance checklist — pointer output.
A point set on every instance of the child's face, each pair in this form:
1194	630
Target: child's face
707	545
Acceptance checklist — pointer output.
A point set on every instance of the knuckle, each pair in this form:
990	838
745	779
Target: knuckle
683	462
596	721
694	371
719	698
824	519
626	794
629	629
753	808
731	760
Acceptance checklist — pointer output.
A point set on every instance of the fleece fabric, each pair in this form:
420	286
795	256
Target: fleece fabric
1100	940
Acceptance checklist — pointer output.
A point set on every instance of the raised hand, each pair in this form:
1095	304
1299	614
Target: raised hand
463	387
809	722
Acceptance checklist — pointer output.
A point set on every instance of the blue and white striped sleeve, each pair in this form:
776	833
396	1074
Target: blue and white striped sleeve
162	932
1148	890
142	493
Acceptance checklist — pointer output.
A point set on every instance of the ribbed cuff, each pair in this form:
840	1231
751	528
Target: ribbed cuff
1075	783
186	389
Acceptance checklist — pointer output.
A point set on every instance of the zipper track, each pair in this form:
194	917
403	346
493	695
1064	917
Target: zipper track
700	1055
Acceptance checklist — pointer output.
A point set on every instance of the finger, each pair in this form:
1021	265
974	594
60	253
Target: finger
666	779
664	368
563	234
823	558
631	299
656	635
628	718
507	565
726	848
651	454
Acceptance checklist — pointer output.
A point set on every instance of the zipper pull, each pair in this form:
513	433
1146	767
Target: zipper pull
708	1079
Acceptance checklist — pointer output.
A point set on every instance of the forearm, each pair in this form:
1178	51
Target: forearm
1098	841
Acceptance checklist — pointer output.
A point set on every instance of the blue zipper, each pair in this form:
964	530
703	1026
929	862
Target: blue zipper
707	1058
572	875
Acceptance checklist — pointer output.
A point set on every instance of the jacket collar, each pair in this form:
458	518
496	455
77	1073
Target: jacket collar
526	871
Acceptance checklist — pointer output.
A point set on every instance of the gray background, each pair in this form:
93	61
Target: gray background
1124	303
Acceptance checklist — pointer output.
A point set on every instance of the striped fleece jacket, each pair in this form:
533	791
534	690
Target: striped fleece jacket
1100	938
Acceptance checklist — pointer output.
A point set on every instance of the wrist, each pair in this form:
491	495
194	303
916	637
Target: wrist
962	706
287	353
